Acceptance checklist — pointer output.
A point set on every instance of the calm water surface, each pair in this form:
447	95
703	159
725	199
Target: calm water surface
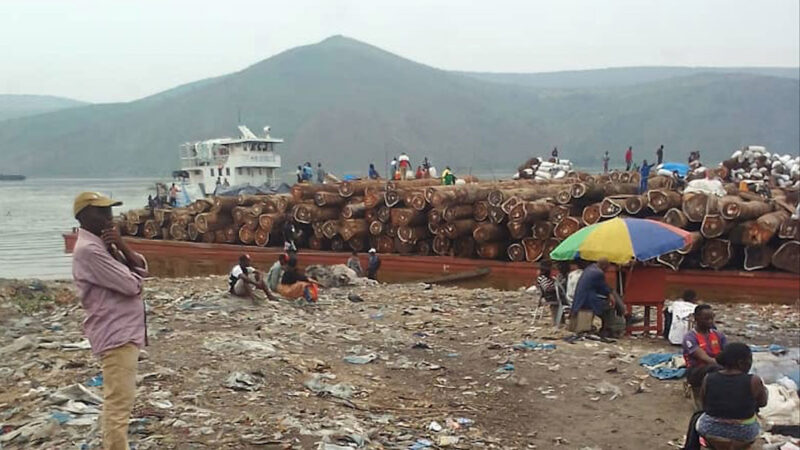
35	212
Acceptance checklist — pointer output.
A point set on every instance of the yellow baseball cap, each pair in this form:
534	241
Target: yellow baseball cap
85	199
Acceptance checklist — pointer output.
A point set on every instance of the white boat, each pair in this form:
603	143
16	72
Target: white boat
248	159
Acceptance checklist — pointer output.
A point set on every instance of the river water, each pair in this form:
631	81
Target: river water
34	213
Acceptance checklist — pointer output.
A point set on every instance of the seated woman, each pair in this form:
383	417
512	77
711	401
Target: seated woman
295	284
731	399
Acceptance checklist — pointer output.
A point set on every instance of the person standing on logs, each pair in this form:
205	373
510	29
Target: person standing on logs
628	158
605	162
554	154
644	171
660	154
373	174
373	264
320	173
405	165
108	275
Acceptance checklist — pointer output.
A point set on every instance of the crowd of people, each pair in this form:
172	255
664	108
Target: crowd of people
400	168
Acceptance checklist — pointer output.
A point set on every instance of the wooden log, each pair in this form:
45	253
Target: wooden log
358	244
566	227
673	260
404	248
430	190
225	204
250	221
714	226
497	215
489	232
393	198
549	245
733	207
390	230
697	204
533	249
527	192
790	229
635	204
316	227
307	213
337	244
212	221
249	200
716	253
611	207
306	191
591	214
246	235
178	232
394	185
542	230
435	216
480	211
441	245
357	187
462	194
152	230
424	247
459	228
384	214
262	237
787	257
376	228
202	205
138	216
435	228
676	218
756	258
528	211
489	250
208	238
316	243
407	217
660	182
557	213
591	192
661	200
622	188
763	229
323	198
354	210
518	230
160	215
133	229
330	228
271	221
374	199
279	203
564	196
694	244
516	252
464	247
191	232
370	215
412	234
384	244
416	199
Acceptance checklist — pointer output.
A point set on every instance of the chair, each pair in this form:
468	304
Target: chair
562	304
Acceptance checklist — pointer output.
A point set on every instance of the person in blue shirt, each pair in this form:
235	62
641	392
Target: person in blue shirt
373	174
594	293
644	171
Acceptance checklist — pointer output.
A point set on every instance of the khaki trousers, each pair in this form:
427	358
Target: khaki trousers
119	391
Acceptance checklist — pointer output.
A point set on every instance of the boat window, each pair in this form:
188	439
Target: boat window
228	171
212	172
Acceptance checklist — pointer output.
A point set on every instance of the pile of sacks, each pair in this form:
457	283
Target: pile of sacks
537	168
755	163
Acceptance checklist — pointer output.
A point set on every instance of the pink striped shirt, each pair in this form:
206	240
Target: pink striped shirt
111	295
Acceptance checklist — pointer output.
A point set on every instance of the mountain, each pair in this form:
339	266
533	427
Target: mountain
13	106
623	76
346	103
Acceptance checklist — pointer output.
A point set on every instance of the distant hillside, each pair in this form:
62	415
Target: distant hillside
13	106
623	76
346	103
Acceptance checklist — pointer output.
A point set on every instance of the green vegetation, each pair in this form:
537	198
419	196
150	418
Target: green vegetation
347	103
13	106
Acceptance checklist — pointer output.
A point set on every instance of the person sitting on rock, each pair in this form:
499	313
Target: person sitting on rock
354	264
295	284
731	398
244	277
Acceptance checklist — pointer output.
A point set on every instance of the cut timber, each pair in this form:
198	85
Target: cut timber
662	200
353	228
623	188
250	222
138	216
564	196
354	210
212	221
635	204
697	204
435	216
516	252
732	207
384	214
374	199
790	229
441	245
549	245
246	235
337	244
249	200
763	229
459	228
587	191
591	214
262	237
518	230
557	213
316	227
567	227
424	247
489	232
529	212
393	198
356	187
324	198
416	200
464	247
178	232
468	193
695	243
305	191
225	204
756	258
542	230
676	218
370	215
611	207
716	253
376	228
673	260
307	213
209	238
533	249
787	257
390	230
152	230
489	250
481	211
358	244
384	244
714	225
407	217
497	215
456	212
315	243
412	234
435	228
404	248
271	221
330	228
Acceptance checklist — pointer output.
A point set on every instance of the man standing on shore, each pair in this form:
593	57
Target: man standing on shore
108	276
660	154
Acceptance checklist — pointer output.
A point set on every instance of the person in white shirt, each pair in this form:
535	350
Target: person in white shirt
243	278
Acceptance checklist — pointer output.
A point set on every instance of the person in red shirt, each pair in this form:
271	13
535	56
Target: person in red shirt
420	174
628	158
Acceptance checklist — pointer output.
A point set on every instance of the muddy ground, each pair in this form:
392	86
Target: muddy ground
436	354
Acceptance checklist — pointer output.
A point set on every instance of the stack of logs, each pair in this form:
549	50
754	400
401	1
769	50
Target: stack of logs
521	220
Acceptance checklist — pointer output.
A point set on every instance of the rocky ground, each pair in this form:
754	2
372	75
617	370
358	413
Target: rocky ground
408	366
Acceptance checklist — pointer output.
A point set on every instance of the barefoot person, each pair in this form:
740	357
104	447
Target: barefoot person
108	276
244	277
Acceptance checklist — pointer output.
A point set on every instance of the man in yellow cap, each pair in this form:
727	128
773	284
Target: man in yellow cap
108	275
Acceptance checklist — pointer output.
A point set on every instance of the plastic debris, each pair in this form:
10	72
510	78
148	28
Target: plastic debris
240	381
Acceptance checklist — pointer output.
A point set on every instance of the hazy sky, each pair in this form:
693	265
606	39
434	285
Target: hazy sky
108	50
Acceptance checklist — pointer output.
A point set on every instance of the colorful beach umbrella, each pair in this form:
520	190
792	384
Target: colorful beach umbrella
621	241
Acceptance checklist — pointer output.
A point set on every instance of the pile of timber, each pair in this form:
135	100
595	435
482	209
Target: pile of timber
516	220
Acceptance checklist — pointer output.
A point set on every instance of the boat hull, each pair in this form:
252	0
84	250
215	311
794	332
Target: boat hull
180	259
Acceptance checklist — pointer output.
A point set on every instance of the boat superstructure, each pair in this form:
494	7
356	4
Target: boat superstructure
248	159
